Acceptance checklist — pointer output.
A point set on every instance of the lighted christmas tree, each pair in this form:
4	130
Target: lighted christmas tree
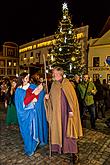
66	51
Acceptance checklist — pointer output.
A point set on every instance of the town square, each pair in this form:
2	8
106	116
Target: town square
55	83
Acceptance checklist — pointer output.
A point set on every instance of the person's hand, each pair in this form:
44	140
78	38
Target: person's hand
47	96
70	114
93	92
34	100
38	89
6	104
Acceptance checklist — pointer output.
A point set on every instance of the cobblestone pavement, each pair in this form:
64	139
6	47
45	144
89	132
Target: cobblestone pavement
94	148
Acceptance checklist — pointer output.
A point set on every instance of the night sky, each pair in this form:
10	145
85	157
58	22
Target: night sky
24	21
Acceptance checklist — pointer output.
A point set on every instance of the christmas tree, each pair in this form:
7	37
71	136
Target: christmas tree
66	51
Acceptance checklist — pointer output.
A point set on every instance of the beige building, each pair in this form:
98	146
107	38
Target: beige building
99	57
31	54
9	60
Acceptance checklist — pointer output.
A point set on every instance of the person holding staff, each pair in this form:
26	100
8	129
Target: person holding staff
63	115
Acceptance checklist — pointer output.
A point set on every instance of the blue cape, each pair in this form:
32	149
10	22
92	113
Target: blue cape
32	120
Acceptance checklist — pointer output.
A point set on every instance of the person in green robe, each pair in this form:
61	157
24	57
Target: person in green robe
11	117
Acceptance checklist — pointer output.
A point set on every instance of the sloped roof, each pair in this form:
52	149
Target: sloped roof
104	40
105	28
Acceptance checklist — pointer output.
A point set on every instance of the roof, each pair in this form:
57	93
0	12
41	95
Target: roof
104	40
105	28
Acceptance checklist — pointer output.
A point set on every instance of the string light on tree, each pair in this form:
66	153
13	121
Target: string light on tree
64	17
73	58
47	71
70	67
65	39
70	32
52	58
60	49
64	75
61	29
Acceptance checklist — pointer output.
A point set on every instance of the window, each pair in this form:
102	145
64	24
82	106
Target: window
38	57
108	79
95	61
25	57
2	63
9	63
9	71
14	64
49	50
108	60
31	54
14	52
2	71
31	57
95	76
21	58
14	71
10	52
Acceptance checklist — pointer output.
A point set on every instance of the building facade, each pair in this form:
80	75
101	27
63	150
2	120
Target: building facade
9	60
99	58
31	55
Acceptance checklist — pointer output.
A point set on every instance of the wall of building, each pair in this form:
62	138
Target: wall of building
103	69
9	60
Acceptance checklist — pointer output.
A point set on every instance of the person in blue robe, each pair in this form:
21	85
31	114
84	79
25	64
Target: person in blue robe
31	117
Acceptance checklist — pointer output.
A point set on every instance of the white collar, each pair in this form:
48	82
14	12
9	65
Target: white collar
25	87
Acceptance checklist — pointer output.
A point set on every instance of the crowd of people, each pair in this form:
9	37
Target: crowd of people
93	97
55	117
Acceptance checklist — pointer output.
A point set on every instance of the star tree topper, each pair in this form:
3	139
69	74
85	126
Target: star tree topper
65	6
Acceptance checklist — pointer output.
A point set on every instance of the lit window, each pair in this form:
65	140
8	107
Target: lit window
31	57
25	57
95	76
9	63
14	64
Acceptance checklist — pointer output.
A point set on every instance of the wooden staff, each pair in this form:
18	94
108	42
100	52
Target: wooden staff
45	73
47	93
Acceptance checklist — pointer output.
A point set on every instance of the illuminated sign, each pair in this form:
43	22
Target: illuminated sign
44	44
108	60
25	49
34	46
99	69
80	35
